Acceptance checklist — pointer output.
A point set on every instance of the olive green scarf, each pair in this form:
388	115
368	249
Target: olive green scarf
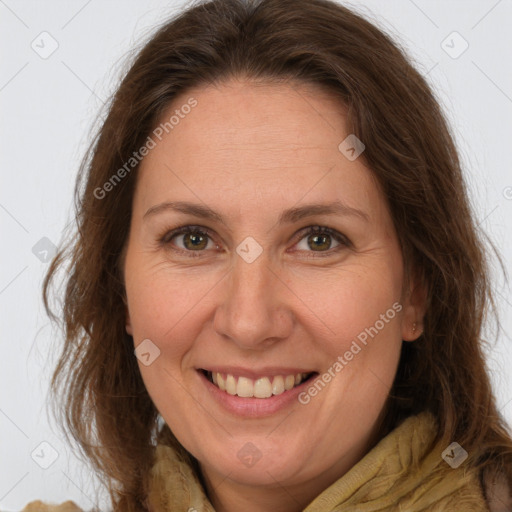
399	474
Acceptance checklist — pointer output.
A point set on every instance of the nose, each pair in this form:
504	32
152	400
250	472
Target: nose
254	311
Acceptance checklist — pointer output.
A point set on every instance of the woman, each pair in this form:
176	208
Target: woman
213	359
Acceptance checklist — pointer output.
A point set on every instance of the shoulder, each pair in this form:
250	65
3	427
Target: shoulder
497	493
39	506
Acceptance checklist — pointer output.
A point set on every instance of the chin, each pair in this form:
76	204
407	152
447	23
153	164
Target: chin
247	464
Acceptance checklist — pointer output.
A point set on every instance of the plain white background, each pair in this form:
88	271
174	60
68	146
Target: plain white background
48	107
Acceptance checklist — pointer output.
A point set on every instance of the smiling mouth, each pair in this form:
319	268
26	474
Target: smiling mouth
263	387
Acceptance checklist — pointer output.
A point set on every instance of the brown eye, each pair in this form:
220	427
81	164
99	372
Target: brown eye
321	240
188	239
195	241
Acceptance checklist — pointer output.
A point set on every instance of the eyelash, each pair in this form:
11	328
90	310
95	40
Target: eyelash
165	239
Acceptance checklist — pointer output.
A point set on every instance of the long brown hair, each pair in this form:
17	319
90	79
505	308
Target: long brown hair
409	148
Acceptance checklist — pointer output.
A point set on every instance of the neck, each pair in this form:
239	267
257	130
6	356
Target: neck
228	495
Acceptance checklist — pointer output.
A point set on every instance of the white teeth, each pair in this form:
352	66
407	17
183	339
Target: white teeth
289	382
264	387
231	385
278	385
244	387
220	382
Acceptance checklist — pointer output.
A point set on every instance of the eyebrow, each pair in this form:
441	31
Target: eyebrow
287	217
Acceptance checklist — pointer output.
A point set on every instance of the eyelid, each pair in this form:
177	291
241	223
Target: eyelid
168	235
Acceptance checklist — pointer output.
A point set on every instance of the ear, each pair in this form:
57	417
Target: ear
415	305
128	325
122	261
128	321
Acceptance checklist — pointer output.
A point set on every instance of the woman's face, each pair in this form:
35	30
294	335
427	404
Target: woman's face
252	294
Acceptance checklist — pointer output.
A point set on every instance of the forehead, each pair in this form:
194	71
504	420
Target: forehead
256	144
248	117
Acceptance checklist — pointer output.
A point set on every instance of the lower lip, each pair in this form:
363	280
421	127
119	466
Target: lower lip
254	407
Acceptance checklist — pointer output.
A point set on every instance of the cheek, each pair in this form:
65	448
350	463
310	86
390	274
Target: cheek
163	307
171	307
162	304
336	304
349	300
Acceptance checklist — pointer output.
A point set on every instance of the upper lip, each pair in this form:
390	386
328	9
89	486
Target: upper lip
251	373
